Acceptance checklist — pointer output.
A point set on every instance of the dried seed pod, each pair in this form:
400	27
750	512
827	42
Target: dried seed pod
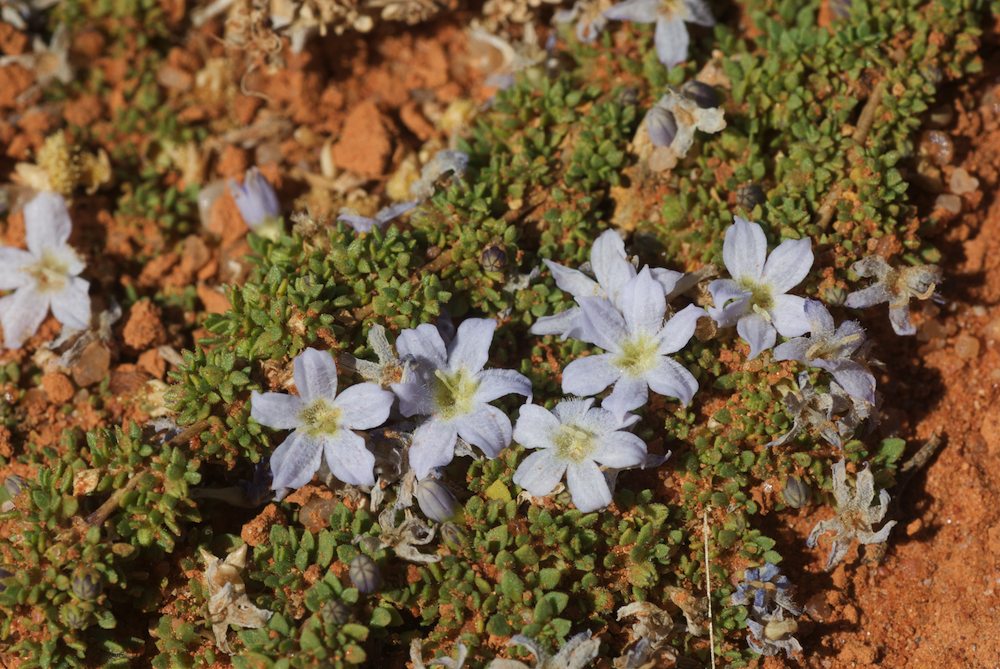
796	493
662	126
703	95
435	500
493	258
750	195
364	574
86	583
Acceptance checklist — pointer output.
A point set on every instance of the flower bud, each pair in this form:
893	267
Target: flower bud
662	126
255	198
701	94
86	583
493	258
750	195
337	611
796	493
364	574
72	616
435	500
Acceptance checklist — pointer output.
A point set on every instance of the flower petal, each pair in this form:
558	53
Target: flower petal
620	450
21	314
433	446
415	397
488	428
788	265
364	406
677	332
276	410
868	297
348	459
789	316
587	486
573	281
423	344
315	375
540	472
899	317
589	375
470	349
820	320
639	11
46	222
628	394
671	379
12	263
495	383
643	304
71	305
607	258
563	324
744	250
603	324
295	461
671	41
535	426
667	278
699	13
793	349
756	331
577	411
854	378
730	302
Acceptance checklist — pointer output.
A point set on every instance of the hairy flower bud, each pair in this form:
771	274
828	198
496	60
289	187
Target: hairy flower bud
435	500
337	611
86	583
364	574
72	616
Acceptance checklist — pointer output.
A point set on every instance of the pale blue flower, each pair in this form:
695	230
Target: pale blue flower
671	36
323	424
833	350
590	21
44	277
765	589
380	220
611	269
577	653
755	299
573	440
638	344
449	385
897	286
255	198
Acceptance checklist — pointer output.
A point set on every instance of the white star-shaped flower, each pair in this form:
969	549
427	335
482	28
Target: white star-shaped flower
43	277
323	423
671	36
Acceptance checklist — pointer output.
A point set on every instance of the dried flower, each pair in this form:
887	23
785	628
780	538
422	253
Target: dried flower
228	603
380	220
435	500
772	634
764	590
389	369
895	286
256	200
364	574
639	344
43	277
405	537
670	16
442	163
754	299
672	121
589	17
451	388
833	350
649	637
833	415
323	423
48	62
573	439
855	515
612	271
576	653
458	662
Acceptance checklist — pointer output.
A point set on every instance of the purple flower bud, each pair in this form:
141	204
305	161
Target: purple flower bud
435	500
662	126
255	198
701	94
364	574
86	583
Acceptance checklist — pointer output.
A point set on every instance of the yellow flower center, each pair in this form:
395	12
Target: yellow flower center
760	294
320	419
637	356
574	443
49	273
453	393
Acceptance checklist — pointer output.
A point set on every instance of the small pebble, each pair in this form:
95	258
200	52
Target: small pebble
937	146
967	347
961	182
992	330
949	202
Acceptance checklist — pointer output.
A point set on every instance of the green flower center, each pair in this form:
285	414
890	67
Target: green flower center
760	294
49	273
320	419
453	393
637	356
574	443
